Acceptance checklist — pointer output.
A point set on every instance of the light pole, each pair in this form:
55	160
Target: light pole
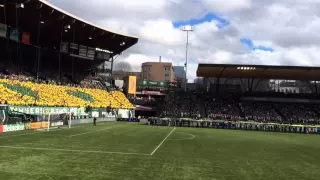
187	29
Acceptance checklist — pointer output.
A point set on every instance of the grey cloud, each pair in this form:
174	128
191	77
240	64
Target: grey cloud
291	28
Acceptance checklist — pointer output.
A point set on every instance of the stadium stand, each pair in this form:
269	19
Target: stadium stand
27	93
51	58
242	102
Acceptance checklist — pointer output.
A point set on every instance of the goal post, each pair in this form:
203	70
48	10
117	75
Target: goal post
50	121
57	120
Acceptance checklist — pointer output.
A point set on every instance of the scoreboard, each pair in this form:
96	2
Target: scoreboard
85	52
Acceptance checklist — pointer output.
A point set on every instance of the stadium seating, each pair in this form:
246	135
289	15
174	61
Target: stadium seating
229	108
16	92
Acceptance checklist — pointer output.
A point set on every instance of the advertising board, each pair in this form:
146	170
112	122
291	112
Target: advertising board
1	128
38	125
54	124
15	127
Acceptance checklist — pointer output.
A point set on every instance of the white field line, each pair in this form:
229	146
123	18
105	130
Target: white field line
73	150
162	142
90	132
191	137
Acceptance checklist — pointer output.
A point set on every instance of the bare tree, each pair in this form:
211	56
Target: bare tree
123	66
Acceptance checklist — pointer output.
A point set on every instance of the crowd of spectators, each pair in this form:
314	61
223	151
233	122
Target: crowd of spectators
282	94
88	81
26	90
184	104
299	113
261	112
181	104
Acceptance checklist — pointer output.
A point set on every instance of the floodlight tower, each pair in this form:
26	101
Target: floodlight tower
187	29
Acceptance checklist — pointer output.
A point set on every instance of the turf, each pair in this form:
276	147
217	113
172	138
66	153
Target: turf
123	151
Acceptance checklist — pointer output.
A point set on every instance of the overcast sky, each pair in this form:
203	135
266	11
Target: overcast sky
269	32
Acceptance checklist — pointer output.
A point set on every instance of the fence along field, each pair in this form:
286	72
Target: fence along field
131	151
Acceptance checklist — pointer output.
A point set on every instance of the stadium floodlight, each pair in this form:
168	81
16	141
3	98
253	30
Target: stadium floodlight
1	5
187	29
42	22
90	37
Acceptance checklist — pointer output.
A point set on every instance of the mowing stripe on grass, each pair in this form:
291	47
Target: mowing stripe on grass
20	135
29	133
162	142
73	150
90	132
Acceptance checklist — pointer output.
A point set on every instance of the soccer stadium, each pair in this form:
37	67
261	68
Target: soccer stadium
65	113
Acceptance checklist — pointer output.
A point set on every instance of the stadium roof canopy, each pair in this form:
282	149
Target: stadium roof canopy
259	71
52	21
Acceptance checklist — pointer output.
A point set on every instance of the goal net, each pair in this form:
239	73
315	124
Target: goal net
50	121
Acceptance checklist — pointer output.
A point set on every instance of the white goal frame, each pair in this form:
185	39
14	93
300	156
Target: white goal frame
49	119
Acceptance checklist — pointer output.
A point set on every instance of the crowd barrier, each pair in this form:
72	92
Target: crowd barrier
241	125
90	120
128	119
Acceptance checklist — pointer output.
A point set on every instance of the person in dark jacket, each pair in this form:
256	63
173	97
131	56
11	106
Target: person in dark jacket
94	121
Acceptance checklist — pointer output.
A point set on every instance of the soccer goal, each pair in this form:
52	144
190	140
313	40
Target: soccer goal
51	121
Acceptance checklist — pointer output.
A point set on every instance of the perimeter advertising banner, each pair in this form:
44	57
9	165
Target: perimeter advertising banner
46	110
132	87
15	127
38	125
3	30
39	110
1	128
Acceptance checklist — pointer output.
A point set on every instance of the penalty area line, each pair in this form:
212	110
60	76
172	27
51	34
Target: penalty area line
73	150
91	131
162	142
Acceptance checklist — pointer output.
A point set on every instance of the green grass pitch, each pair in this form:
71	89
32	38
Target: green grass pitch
125	151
